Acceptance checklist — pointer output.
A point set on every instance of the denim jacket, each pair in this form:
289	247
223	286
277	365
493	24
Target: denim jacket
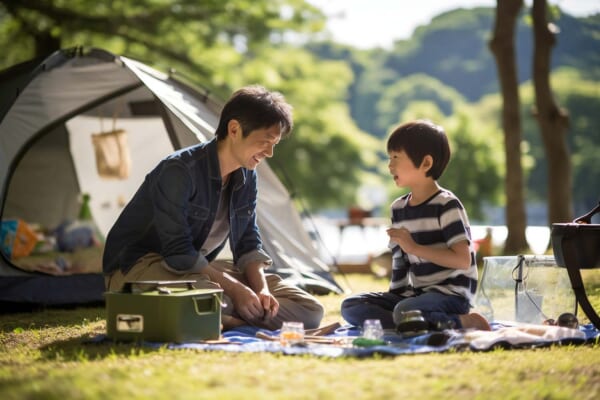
173	211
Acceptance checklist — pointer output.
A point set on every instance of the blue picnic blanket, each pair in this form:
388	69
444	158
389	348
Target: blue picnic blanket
244	339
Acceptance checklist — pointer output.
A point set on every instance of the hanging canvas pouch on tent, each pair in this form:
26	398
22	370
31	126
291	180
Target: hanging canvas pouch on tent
112	154
111	149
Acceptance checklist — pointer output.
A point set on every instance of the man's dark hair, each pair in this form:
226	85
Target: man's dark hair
254	107
420	138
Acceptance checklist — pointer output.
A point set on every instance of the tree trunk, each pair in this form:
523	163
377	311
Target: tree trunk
552	120
502	46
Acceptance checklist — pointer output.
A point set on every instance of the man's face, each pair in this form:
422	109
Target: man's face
249	151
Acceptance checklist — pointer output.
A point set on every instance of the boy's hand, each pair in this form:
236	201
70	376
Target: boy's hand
403	238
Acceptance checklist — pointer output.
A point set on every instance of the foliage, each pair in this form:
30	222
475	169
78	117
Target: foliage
413	88
579	96
223	45
346	100
453	49
448	62
474	171
198	37
370	80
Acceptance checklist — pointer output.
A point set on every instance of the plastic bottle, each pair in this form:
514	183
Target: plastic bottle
85	214
85	218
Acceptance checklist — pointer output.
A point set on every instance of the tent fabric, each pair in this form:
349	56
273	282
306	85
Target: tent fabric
148	145
30	292
48	111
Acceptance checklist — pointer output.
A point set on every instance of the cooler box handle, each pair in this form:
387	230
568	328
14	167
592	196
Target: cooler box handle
128	286
214	306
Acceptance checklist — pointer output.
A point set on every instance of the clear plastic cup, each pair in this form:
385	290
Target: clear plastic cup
291	333
372	329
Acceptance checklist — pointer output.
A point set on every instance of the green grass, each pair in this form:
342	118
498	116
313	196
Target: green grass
43	356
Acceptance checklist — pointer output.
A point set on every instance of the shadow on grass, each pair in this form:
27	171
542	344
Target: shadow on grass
51	317
90	347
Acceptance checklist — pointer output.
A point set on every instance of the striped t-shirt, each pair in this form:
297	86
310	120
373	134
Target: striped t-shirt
441	221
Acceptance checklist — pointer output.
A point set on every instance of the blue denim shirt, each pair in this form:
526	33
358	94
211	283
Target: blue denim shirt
173	211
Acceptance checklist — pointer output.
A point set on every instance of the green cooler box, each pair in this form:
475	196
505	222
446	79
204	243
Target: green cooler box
163	313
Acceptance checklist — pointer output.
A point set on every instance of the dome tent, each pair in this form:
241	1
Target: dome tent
50	110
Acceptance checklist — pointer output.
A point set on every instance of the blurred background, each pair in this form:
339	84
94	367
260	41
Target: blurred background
353	70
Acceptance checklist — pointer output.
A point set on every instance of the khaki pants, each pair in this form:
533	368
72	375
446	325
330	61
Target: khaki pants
294	304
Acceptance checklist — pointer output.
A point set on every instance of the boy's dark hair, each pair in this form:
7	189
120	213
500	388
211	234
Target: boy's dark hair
420	138
254	107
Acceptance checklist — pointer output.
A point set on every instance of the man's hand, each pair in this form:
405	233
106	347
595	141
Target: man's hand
252	303
269	303
247	303
257	281
254	306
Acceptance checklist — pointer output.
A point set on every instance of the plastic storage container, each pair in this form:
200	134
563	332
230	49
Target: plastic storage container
164	314
523	288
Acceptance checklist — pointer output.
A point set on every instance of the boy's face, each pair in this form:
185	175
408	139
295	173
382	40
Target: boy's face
249	151
403	170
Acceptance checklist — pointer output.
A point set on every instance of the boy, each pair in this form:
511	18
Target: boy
433	267
195	200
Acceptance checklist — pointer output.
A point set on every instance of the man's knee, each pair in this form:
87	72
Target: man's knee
305	309
313	316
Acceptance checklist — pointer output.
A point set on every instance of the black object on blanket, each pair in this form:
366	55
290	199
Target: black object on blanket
412	323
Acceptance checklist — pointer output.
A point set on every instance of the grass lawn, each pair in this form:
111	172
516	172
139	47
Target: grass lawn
42	357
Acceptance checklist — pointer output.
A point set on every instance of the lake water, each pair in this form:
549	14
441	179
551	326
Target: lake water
355	244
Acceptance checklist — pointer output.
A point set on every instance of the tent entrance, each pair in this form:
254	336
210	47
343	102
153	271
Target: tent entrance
46	189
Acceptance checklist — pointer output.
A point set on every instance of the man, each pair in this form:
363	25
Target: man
196	199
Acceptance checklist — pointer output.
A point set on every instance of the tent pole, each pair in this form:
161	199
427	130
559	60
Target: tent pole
304	211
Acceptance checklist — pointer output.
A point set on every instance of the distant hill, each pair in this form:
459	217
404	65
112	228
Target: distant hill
454	49
448	61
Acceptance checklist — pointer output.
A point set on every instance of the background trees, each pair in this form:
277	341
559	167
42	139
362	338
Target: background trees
552	120
503	47
346	100
453	51
220	45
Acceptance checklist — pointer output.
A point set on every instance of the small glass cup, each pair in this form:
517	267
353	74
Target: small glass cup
291	333
372	329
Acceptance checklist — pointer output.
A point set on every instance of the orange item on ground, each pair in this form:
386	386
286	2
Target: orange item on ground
17	238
